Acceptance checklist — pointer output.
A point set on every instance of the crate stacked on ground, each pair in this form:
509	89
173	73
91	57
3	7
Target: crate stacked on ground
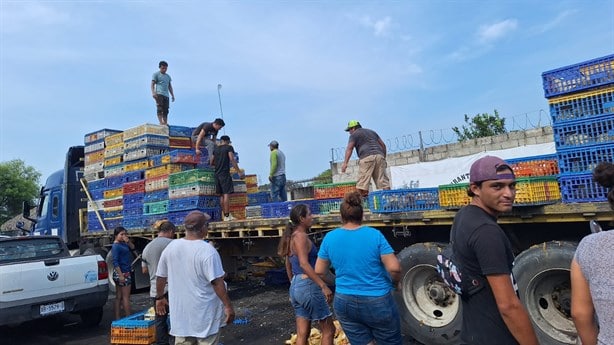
133	329
95	145
191	190
581	101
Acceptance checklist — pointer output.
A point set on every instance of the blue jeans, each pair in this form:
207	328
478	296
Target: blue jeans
308	300
365	318
278	188
162	328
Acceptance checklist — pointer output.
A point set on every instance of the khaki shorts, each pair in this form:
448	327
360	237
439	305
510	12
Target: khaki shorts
372	166
213	339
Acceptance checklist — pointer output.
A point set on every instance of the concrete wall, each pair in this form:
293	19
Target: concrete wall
504	141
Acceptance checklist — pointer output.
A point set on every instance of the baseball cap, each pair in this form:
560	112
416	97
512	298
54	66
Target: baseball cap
486	168
274	143
196	220
225	138
352	124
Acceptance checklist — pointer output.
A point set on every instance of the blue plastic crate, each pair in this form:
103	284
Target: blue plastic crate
179	131
258	198
403	200
133	200
133	176
584	159
594	131
581	76
313	205
96	184
193	202
113	223
150	219
133	222
99	134
133	321
276	209
583	105
178	218
159	160
115	181
132	211
158	195
581	188
93	224
97	194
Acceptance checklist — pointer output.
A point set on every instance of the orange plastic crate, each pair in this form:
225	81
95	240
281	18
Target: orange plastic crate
333	190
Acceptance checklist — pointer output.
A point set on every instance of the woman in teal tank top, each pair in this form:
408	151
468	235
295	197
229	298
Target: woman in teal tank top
309	294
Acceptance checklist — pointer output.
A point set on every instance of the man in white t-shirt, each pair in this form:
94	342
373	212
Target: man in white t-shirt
197	296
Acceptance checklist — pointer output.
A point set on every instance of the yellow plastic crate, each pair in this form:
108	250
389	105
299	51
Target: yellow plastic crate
537	191
113	193
137	165
165	170
145	129
453	195
251	180
94	157
115	150
114	139
113	161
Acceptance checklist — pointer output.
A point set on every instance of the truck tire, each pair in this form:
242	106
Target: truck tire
430	311
91	317
542	275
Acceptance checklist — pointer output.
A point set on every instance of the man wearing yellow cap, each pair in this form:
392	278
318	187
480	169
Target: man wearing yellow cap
371	152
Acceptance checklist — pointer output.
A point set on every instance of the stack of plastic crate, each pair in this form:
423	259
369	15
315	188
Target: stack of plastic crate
133	196
133	329
330	195
581	101
192	190
251	182
95	144
96	190
254	202
180	137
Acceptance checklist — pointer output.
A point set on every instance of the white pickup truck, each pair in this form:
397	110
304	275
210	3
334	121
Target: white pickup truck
39	278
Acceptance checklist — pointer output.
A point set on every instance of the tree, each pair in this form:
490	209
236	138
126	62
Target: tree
18	183
325	177
481	125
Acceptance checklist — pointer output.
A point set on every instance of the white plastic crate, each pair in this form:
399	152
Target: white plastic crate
145	129
99	145
142	153
253	211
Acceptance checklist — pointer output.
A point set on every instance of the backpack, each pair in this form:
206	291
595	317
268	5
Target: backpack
452	274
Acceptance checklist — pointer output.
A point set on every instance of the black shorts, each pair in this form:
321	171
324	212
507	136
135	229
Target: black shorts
223	184
162	104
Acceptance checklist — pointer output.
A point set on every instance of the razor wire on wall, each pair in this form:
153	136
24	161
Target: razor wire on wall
422	139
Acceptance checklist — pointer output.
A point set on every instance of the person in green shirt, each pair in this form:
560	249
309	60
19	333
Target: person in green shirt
277	174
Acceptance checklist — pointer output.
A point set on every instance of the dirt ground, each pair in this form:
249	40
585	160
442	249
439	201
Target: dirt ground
270	317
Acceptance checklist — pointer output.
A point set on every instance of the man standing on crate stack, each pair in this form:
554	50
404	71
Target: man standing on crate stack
151	256
223	156
277	175
482	251
371	152
160	89
197	295
206	133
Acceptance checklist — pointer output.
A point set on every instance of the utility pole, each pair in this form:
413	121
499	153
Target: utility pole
219	98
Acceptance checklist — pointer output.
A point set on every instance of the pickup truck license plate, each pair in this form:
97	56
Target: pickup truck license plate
53	308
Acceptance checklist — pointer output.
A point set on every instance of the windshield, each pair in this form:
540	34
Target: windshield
19	249
43	205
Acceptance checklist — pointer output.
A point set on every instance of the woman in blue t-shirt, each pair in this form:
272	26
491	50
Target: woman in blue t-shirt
309	294
367	271
122	266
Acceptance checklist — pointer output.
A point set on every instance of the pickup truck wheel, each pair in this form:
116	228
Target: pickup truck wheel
91	317
542	275
430	311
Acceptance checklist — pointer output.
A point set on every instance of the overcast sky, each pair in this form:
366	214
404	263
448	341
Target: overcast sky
293	71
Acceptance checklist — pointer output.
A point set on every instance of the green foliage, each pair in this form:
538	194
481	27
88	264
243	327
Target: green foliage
18	183
481	125
325	177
